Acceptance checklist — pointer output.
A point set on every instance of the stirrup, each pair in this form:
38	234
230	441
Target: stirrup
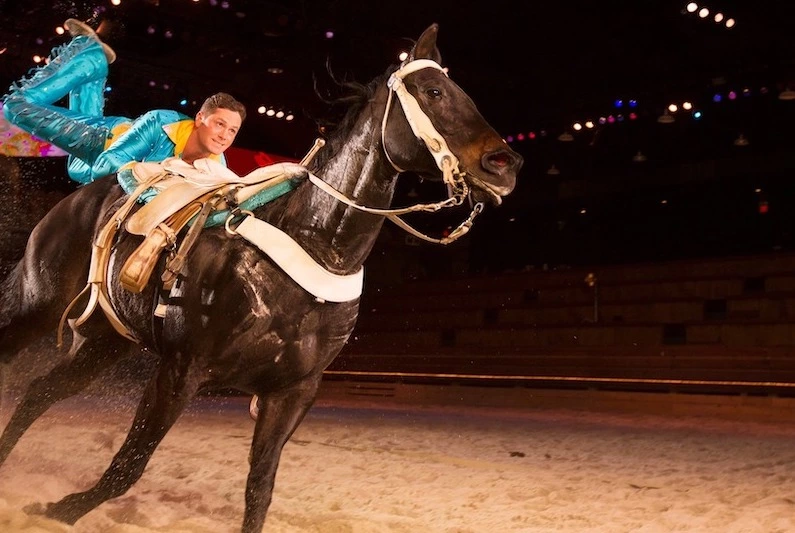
76	27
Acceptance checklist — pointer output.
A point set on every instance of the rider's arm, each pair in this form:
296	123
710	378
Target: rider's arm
141	142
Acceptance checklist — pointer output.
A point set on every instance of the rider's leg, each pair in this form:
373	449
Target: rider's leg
78	69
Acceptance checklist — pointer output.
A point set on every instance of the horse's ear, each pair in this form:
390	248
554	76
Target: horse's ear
425	48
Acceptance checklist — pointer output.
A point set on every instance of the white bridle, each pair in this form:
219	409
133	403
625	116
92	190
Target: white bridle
424	130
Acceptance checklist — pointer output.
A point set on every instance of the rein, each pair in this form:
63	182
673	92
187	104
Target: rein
423	129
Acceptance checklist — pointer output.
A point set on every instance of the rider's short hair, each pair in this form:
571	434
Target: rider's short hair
223	101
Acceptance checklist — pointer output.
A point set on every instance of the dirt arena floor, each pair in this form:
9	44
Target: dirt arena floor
371	465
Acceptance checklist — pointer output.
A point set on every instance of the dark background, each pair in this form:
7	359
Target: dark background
530	67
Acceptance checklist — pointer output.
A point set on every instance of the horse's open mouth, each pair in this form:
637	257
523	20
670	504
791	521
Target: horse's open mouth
484	192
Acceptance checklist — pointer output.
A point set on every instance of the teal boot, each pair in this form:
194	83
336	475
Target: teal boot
81	60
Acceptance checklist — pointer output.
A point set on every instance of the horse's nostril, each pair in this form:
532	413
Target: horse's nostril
500	159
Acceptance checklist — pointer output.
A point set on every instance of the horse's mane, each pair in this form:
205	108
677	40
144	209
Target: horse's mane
356	96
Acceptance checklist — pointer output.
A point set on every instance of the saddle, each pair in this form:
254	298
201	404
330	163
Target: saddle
177	194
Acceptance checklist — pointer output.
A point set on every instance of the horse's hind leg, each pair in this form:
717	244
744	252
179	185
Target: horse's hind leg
87	359
166	395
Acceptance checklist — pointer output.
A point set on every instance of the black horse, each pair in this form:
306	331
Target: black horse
241	322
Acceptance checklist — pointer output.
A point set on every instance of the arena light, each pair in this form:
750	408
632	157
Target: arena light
261	109
730	23
59	30
718	17
692	7
787	94
666	118
703	13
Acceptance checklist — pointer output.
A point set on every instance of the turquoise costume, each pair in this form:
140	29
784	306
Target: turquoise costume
98	145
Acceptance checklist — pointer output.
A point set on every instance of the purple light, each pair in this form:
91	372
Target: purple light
509	139
329	34
732	95
717	98
151	30
611	119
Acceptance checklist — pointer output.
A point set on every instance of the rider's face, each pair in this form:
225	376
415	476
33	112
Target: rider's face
217	130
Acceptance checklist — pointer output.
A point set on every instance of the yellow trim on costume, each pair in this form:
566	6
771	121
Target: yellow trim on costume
179	132
115	131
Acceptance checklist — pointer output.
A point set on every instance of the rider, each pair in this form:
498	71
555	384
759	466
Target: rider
99	145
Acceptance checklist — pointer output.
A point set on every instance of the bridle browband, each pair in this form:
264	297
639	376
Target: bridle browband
424	130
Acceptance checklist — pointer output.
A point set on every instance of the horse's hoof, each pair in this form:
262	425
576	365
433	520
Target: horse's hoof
35	509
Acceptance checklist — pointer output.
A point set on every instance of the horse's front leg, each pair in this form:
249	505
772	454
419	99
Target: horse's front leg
167	393
279	415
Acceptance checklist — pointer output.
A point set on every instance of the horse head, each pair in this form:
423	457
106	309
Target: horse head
447	125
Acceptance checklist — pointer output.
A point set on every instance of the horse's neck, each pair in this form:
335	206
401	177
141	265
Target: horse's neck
338	236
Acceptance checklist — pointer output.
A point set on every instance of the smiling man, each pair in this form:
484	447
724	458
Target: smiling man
99	145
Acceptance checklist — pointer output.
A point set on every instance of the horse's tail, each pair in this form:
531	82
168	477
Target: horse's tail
10	303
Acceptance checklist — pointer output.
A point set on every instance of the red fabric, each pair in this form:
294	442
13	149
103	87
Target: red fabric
242	160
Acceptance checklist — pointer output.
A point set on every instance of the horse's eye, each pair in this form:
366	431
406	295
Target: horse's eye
433	92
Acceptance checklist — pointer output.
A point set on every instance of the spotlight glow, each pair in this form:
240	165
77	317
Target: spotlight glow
59	30
718	17
687	106
691	7
673	108
261	109
704	13
730	23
